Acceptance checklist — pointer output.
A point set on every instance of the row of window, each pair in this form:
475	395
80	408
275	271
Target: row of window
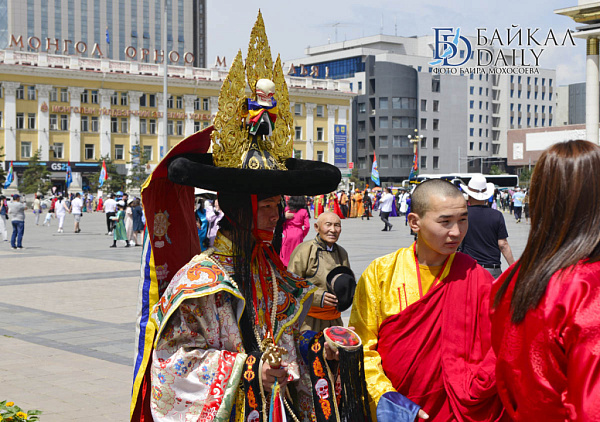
319	155
472	118
398	103
535	122
91	96
535	80
58	149
472	132
398	141
535	95
298	133
397	123
320	110
398	161
535	108
472	146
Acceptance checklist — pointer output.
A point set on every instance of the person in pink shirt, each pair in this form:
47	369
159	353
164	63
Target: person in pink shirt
295	228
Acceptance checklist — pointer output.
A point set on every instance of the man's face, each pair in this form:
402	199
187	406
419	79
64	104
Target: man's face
268	213
329	227
443	226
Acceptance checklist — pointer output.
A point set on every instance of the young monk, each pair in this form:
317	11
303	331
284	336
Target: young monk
423	315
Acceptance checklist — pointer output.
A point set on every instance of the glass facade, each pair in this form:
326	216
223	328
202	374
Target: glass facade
134	20
146	34
83	25
57	20
337	69
44	23
4	24
97	30
71	24
30	20
122	30
109	30
157	23
180	36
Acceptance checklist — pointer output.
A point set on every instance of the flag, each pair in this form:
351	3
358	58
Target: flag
103	174
414	171
375	171
9	177
107	36
69	175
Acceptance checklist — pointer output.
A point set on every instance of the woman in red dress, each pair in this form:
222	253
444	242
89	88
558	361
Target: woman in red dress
546	317
295	228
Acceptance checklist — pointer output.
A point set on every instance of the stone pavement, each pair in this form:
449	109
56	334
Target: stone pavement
68	306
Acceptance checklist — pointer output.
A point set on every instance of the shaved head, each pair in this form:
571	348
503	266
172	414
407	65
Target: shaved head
328	216
423	193
329	227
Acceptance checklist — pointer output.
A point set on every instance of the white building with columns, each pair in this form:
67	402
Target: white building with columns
80	110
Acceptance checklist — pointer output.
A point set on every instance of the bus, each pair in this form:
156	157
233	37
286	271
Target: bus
499	180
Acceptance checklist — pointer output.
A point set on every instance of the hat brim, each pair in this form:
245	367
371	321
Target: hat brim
479	196
340	269
302	177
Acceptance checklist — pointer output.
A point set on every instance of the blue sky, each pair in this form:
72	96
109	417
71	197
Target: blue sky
292	26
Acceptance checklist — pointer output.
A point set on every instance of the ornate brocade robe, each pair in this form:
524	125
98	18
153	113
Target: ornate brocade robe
199	357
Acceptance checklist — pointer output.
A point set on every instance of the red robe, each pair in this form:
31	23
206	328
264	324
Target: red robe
548	366
437	351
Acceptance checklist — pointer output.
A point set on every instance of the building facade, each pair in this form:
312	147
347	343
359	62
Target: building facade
78	110
114	29
463	118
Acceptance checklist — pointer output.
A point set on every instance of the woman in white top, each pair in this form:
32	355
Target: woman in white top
129	224
61	211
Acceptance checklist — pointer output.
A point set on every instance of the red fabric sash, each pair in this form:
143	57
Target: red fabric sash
437	352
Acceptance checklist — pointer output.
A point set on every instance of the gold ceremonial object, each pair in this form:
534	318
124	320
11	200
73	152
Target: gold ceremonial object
232	146
272	353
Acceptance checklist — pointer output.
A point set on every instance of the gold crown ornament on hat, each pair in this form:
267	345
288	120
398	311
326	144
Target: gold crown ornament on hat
254	132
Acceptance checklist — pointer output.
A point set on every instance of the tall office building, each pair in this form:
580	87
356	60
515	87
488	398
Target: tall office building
464	119
114	29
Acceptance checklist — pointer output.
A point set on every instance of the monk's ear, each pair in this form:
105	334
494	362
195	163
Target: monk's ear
414	222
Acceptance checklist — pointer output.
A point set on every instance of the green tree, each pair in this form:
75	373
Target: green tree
36	177
139	173
495	170
525	176
115	182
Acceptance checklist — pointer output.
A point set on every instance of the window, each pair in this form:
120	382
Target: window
471	118
143	123
436	105
20	120
197	104
31	120
423	161
170	102
25	149
423	105
472	90
298	109
205	104
84	96
179	102
471	132
436	124
480	105
114	124
383	103
143	100
89	152
64	122
320	111
361	144
59	150
436	162
31	92
471	103
148	152
197	126
383	142
124	125
480	146
320	156
125	99
53	122
424	142
383	161
436	143
361	126
423	124
362	108
119	152
169	127
435	83
359	85
179	127
64	95
151	100
396	124
480	132
319	134
383	123
94	124
20	93
471	145
152	127
54	94
298	132
114	98
400	141
480	118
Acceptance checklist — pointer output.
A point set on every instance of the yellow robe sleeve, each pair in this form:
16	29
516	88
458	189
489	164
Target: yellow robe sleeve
366	319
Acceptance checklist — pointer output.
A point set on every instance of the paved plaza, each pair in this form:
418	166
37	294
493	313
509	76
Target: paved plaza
68	307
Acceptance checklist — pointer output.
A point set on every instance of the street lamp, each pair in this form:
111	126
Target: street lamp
415	141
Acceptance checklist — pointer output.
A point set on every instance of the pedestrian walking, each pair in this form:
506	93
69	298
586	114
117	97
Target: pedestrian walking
37	209
3	217
119	232
518	204
61	209
110	208
16	211
367	205
129	222
387	201
77	210
137	214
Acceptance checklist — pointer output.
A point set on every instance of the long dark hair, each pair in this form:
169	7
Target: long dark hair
565	220
296	203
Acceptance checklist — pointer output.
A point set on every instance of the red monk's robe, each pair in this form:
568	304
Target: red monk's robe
437	350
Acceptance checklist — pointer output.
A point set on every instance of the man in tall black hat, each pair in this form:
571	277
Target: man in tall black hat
220	338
